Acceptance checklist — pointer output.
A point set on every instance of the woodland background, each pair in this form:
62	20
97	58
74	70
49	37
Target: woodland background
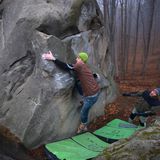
133	28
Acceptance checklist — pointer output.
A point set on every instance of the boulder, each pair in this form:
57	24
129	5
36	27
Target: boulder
38	100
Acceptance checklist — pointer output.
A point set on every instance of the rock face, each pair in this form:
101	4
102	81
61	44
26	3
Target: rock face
38	100
145	144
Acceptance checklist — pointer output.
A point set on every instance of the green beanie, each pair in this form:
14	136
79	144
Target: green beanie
83	56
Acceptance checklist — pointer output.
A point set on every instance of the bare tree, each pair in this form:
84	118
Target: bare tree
136	38
150	5
128	35
133	31
109	18
121	50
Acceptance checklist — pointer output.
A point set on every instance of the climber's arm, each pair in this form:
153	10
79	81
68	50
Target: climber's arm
133	94
63	65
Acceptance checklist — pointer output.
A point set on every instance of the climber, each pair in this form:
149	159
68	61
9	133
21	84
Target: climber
147	105
88	88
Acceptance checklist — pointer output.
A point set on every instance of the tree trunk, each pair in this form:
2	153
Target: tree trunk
110	13
148	34
136	39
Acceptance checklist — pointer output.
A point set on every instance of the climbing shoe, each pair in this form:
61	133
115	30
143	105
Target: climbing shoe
82	128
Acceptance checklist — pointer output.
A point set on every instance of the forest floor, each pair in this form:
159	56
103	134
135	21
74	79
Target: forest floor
120	108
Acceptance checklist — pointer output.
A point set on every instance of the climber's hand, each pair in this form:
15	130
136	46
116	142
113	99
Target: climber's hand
48	56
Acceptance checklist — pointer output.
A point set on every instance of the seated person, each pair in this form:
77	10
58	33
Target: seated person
147	104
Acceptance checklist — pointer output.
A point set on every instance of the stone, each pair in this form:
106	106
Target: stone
38	100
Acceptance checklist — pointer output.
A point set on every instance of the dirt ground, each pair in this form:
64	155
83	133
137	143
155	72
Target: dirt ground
120	108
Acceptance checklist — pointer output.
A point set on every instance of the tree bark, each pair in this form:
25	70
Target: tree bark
148	34
136	39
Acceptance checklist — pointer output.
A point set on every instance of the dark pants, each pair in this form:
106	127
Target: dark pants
88	102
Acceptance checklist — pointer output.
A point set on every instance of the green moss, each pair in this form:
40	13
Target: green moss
148	135
155	152
142	157
107	155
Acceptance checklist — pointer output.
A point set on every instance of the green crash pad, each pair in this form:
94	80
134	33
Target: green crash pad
118	123
114	133
91	142
70	150
87	145
117	129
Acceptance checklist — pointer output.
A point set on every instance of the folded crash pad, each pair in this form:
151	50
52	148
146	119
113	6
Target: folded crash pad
90	142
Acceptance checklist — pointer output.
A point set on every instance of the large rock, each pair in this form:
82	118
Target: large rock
38	100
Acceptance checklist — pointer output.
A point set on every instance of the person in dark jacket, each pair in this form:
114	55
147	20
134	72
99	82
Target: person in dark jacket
147	105
89	87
